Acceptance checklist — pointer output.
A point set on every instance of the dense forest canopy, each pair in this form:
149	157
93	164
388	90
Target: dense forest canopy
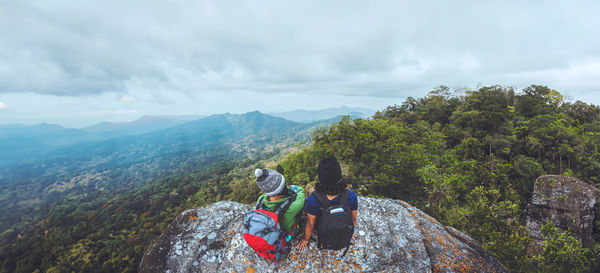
470	161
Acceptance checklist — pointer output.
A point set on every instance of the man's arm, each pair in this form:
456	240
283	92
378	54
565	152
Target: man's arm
354	217
308	230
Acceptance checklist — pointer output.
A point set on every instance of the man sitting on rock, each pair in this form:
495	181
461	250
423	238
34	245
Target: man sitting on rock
272	183
332	201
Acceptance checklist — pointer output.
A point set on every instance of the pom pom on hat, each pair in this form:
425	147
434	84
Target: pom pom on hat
258	172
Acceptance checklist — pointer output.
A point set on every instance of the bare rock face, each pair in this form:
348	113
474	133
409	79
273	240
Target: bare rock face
392	236
567	202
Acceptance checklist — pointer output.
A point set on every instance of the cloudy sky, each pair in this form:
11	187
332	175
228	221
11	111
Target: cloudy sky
80	62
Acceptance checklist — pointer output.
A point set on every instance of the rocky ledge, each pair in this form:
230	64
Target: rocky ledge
392	236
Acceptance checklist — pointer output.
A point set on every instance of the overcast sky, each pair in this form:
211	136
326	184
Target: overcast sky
80	62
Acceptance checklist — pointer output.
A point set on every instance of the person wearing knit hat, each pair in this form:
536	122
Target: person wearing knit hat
331	184
269	181
272	184
330	176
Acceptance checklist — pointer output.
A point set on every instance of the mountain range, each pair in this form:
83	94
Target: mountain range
28	143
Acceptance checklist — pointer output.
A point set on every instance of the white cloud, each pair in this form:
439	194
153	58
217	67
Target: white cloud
579	79
126	99
312	47
3	105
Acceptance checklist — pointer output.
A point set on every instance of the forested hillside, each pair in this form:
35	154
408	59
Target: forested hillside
471	161
96	206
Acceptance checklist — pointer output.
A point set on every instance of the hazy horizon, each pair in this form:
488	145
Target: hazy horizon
186	116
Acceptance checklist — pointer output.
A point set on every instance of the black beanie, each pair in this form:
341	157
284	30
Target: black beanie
329	171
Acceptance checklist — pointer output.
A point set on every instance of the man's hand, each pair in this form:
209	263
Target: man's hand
303	243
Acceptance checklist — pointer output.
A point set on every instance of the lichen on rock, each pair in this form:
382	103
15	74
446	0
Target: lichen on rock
392	236
567	202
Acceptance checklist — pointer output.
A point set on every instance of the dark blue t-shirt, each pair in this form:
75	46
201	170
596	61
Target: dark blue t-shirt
313	206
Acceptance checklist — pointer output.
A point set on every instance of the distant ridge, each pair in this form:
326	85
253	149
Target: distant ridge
156	122
307	116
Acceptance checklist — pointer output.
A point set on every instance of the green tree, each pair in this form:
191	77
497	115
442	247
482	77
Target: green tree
562	252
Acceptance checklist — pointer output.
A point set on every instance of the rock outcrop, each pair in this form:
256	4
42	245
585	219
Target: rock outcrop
567	202
392	236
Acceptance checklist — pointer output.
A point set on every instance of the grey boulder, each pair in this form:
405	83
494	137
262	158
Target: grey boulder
567	202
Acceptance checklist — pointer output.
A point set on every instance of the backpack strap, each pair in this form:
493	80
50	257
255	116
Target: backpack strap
348	247
282	208
325	202
344	197
322	199
260	204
